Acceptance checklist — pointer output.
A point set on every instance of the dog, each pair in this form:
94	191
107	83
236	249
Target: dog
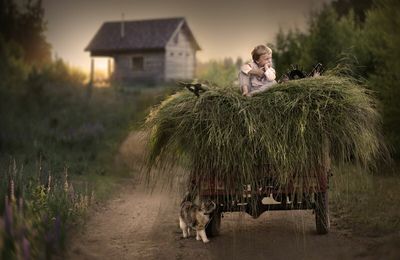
195	217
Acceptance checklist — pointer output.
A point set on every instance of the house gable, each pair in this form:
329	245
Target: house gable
142	49
180	54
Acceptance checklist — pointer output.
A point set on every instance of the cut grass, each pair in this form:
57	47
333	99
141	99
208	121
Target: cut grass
290	132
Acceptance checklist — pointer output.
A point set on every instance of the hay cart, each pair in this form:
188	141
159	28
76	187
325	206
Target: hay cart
269	195
251	159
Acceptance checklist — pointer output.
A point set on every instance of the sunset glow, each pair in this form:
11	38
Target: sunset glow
229	29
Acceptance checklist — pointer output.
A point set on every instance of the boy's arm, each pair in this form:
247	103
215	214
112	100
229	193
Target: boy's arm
248	70
257	72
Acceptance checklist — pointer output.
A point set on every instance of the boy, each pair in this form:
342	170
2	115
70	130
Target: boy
258	75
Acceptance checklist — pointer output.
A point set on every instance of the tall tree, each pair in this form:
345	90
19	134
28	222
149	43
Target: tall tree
31	34
9	15
289	49
26	26
359	7
328	40
382	37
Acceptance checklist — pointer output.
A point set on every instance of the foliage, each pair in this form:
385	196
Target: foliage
328	40
359	7
365	40
382	38
13	70
51	121
288	132
38	209
45	116
222	73
24	25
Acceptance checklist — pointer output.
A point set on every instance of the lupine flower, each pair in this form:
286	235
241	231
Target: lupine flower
49	183
11	189
8	218
71	192
66	179
25	248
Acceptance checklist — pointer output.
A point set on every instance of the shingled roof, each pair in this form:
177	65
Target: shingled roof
138	35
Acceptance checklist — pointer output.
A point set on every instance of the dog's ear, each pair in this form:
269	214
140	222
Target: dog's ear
186	198
214	206
211	206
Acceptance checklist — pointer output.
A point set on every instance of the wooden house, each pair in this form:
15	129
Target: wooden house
147	50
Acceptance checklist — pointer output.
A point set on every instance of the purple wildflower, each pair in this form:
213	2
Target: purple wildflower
8	218
25	248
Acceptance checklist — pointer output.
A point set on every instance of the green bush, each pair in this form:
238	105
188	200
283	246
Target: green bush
38	209
221	73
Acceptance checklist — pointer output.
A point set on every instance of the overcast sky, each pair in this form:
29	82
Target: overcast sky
223	28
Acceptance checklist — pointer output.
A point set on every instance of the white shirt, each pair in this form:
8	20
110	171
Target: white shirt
268	77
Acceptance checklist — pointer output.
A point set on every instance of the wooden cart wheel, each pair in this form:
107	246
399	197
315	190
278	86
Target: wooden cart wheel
214	226
322	212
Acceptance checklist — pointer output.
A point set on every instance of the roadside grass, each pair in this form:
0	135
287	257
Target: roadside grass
58	156
366	204
38	208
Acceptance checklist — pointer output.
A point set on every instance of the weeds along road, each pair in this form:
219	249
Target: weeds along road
137	224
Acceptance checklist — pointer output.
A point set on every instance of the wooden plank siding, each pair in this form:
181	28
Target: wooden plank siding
180	57
153	67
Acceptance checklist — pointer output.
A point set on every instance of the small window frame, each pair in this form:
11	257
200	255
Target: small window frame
137	63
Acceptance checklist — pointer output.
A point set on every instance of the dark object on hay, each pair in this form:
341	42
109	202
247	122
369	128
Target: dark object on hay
296	73
196	88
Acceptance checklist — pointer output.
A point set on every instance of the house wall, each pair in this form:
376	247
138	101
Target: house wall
180	58
153	67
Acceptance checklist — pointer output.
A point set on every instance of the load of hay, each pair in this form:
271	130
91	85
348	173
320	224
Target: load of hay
294	130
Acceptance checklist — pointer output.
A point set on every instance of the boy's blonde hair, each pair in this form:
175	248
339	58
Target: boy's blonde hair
260	50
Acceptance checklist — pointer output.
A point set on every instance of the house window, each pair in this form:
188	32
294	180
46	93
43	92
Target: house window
172	54
176	38
137	63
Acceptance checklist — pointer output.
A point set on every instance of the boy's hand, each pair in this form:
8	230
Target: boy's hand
270	74
257	72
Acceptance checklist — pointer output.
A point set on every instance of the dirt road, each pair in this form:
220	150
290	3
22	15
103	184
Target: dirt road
139	225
